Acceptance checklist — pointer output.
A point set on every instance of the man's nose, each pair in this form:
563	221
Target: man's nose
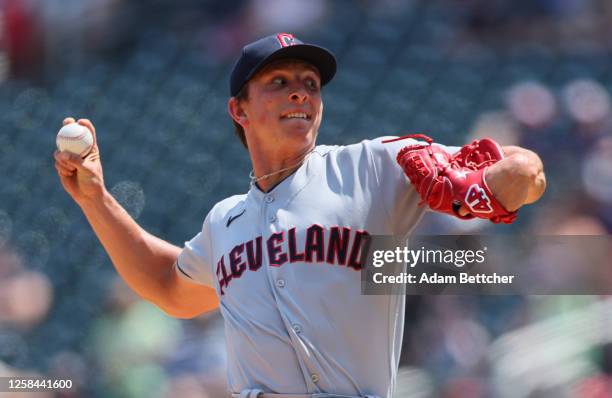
298	94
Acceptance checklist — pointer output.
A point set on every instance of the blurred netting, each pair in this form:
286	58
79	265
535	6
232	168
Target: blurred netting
153	79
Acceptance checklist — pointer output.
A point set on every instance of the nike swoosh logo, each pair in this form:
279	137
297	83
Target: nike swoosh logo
232	218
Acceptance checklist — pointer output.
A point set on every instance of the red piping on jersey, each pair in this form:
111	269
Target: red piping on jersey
421	136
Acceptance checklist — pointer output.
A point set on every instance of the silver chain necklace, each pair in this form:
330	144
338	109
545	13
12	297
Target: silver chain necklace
263	177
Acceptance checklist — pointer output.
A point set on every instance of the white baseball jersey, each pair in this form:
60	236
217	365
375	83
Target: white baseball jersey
286	267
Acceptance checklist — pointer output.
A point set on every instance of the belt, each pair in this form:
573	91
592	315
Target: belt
260	394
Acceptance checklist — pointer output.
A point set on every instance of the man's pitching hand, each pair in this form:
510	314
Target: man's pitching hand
82	178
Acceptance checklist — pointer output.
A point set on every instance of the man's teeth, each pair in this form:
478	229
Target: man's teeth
296	116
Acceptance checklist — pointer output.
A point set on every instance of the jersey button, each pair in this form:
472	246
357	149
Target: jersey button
297	328
269	199
314	377
280	283
272	218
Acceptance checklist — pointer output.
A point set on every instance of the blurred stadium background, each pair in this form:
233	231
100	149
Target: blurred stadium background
152	76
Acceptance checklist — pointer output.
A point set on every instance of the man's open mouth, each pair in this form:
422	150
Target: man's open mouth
296	115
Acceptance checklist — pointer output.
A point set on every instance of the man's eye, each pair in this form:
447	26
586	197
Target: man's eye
278	80
312	84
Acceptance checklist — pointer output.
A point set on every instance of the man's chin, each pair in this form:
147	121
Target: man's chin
301	129
296	123
303	136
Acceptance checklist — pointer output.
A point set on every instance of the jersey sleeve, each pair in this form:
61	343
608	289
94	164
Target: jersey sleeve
194	261
400	199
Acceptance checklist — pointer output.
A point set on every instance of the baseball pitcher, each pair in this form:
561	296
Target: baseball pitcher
282	261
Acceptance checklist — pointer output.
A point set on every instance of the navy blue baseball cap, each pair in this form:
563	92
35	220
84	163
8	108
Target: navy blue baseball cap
258	54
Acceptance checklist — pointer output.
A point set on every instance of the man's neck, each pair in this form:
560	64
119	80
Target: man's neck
271	168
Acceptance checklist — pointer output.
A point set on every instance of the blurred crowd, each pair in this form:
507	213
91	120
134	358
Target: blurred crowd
532	73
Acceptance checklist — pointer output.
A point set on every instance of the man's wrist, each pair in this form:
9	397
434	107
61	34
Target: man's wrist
92	202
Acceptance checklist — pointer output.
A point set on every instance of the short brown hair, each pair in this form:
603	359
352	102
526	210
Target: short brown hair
242	95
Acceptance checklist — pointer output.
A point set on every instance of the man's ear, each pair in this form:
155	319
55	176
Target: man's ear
236	111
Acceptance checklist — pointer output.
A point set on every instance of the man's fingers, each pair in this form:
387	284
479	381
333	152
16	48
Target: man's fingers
62	171
87	123
68	159
60	160
65	166
68	120
61	156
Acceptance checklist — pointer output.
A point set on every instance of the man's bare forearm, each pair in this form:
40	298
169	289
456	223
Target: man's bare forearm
143	260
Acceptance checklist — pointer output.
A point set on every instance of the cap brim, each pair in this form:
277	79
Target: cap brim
319	57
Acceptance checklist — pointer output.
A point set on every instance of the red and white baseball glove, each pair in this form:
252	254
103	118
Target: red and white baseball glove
446	182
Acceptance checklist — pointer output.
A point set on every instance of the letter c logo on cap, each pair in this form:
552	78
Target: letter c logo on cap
286	39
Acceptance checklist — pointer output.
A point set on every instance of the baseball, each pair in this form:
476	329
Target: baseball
74	138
